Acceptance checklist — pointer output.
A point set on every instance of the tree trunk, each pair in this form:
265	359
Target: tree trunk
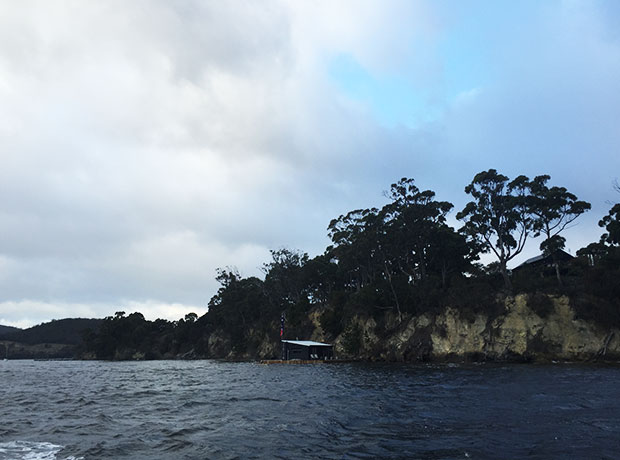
444	271
504	271
422	267
389	277
557	268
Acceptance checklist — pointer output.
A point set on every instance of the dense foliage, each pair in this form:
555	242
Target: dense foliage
64	331
6	330
133	337
389	263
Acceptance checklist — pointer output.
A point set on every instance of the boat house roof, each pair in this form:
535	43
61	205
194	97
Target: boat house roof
307	343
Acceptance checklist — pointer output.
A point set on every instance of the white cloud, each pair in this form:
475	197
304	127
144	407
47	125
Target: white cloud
28	313
144	143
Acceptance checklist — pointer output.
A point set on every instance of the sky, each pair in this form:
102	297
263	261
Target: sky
144	144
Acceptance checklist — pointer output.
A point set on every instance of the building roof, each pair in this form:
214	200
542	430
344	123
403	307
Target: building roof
307	343
534	259
540	257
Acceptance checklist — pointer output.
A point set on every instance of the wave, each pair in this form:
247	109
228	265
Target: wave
29	450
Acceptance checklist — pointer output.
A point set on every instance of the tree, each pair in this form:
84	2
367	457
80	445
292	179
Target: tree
320	275
553	210
593	252
396	246
450	253
284	281
363	251
611	222
355	241
413	219
237	307
191	317
227	276
498	218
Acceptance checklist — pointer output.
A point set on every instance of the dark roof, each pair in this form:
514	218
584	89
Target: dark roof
534	259
307	343
541	257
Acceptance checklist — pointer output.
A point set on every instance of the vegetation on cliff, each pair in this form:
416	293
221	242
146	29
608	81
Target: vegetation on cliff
386	266
69	331
56	339
7	330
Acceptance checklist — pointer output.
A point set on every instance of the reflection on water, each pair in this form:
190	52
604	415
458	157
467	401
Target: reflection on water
208	409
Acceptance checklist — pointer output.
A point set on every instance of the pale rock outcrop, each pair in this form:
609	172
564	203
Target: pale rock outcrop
518	333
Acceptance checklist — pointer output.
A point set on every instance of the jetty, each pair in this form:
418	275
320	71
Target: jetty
305	361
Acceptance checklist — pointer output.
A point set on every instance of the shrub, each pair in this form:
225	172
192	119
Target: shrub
540	303
352	339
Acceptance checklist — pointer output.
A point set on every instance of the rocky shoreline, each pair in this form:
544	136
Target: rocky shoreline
524	329
521	332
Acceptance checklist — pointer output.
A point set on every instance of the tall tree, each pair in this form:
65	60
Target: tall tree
498	218
553	208
392	246
284	281
354	245
412	220
611	223
364	250
450	253
238	304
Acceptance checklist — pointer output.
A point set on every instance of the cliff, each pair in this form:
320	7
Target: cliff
522	330
526	327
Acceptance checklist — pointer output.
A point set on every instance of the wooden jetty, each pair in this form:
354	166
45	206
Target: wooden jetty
305	361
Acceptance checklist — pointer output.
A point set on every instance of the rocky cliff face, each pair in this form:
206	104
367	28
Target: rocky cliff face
521	331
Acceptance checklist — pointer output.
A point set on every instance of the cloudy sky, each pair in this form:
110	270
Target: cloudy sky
143	144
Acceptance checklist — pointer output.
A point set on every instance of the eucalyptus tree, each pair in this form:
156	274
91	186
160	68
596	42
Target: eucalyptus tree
321	276
412	219
499	216
238	303
354	238
553	209
594	252
391	245
284	281
611	223
414	227
450	253
364	249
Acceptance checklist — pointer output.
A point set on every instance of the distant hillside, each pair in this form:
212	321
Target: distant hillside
6	330
62	331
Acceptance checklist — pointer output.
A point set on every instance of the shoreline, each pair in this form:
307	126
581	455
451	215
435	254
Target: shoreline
534	361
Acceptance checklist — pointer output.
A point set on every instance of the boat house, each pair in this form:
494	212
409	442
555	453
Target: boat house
306	350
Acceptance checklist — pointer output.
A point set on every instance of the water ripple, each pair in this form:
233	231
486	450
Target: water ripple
204	409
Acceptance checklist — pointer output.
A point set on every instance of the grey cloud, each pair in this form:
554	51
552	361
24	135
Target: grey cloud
144	144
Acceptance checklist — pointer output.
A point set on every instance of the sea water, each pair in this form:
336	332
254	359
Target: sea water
209	409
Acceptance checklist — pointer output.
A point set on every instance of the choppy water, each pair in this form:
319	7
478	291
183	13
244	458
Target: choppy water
207	409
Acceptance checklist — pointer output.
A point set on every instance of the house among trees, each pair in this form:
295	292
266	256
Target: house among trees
306	350
546	260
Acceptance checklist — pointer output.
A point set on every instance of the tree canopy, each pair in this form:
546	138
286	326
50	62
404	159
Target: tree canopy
392	261
499	217
611	223
553	209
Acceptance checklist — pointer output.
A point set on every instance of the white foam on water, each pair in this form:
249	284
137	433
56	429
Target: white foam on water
28	450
